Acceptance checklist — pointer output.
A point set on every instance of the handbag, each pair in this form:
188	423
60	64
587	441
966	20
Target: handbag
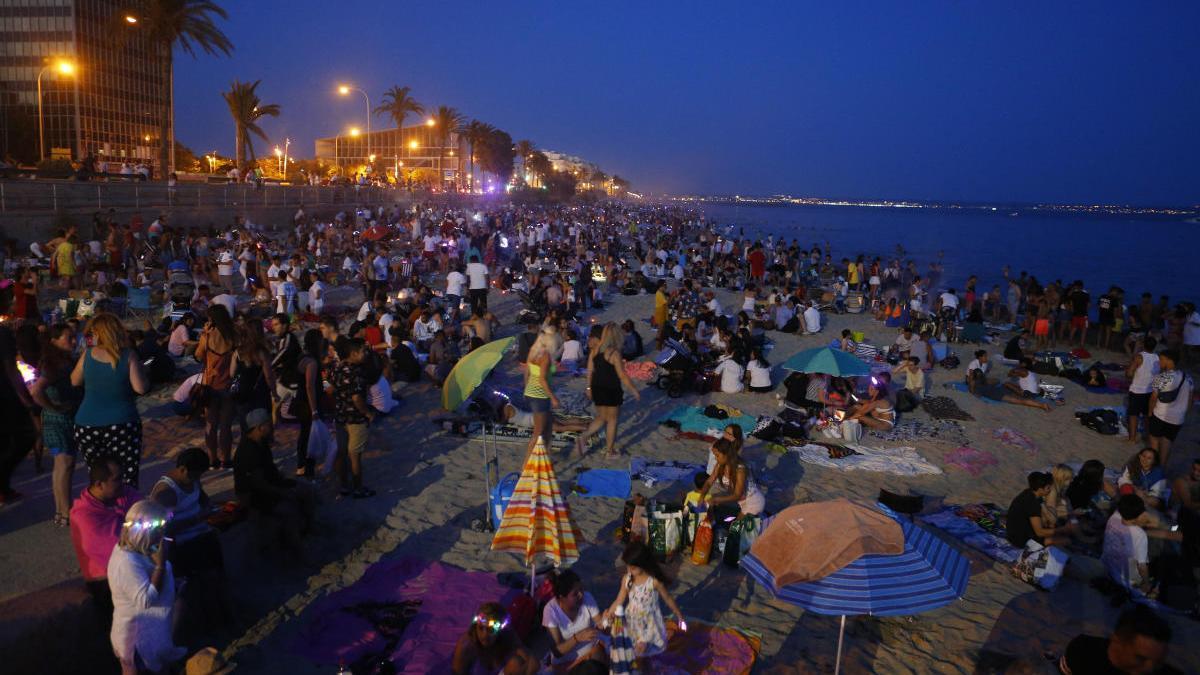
1040	566
199	395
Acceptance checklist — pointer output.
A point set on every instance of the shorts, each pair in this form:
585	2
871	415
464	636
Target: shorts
1161	429
1138	404
352	438
1079	322
1041	327
538	405
995	392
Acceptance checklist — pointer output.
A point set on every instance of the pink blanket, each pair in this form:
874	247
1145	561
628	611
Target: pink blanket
340	629
1016	439
705	649
969	459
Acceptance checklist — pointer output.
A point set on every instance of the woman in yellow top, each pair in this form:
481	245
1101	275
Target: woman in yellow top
539	366
660	304
64	260
852	274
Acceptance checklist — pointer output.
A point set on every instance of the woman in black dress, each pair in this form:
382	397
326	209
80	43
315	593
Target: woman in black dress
606	382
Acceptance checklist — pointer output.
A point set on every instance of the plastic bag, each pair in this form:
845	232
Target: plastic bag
322	448
666	530
1040	566
702	547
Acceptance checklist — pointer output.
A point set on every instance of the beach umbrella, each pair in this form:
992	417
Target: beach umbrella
925	575
471	370
828	361
537	519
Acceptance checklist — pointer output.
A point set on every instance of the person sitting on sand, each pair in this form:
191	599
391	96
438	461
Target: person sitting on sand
1023	381
1138	645
1025	515
977	371
735	479
875	411
1145	477
490	646
846	342
570	618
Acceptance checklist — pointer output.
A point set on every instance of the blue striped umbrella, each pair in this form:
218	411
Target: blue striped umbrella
927	575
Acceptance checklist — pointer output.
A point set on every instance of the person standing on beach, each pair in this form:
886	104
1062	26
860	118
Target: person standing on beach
539	367
1170	397
606	380
1142	370
1079	301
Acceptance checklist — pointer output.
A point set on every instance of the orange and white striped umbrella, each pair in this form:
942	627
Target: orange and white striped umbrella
537	519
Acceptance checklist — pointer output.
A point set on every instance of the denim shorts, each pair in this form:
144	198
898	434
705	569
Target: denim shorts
538	405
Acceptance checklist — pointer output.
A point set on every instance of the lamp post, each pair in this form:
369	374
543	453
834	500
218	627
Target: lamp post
287	142
64	68
345	90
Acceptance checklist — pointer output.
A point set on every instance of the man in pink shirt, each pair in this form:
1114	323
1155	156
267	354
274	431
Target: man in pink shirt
96	520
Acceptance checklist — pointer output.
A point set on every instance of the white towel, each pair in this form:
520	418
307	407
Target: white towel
903	461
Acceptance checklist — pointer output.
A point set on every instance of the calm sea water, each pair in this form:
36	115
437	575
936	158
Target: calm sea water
1158	255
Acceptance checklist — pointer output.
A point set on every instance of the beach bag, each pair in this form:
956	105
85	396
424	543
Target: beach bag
950	362
522	614
702	547
321	445
666	530
852	431
1040	566
742	533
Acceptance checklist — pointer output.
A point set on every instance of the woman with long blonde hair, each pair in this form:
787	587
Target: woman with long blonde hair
539	366
1055	506
607	380
107	424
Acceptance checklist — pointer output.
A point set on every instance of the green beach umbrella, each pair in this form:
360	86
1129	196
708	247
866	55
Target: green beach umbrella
828	361
470	370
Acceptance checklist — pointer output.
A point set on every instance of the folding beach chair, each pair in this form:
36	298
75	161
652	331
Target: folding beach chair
138	304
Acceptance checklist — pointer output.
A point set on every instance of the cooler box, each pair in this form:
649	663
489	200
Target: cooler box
857	335
503	492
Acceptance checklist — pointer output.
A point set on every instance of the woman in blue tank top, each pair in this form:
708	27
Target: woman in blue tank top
107	424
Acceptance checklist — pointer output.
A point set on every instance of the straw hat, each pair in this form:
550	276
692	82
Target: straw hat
208	661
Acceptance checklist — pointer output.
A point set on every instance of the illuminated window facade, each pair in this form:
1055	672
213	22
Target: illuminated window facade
111	106
413	147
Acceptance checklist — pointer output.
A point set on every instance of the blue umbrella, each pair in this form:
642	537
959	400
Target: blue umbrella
927	575
828	361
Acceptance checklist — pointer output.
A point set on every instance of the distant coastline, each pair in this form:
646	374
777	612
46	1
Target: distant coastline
1190	214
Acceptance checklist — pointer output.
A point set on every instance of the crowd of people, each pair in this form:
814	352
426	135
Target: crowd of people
252	323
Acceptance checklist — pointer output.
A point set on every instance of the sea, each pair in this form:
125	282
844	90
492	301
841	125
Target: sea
1159	255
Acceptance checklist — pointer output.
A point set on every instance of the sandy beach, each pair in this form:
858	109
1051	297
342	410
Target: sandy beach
431	488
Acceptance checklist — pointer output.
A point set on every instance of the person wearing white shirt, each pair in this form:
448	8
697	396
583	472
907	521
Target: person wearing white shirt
760	373
456	283
424	328
572	354
1170	397
225	269
783	314
677	272
477	273
1126	553
713	304
812	319
316	297
977	371
731	373
570	618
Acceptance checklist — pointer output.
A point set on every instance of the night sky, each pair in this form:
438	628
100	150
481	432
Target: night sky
1085	102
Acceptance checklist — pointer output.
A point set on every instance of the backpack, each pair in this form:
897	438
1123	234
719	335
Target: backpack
950	362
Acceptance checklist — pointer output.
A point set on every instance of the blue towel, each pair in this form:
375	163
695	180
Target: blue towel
664	471
693	420
604	483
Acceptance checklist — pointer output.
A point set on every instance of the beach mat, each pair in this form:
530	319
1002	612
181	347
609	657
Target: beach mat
603	483
908	430
361	620
692	420
944	408
980	526
902	461
706	649
962	386
651	471
969	459
1015	439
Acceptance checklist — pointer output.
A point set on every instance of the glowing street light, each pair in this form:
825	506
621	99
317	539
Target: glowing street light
413	145
430	122
131	19
63	67
354	131
344	90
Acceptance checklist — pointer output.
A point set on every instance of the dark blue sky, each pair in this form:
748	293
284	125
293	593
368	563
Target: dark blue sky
1090	102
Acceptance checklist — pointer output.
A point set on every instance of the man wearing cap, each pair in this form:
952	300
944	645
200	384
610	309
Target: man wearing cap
258	483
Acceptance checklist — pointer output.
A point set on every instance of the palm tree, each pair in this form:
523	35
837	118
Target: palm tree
477	133
246	109
398	103
167	24
540	166
524	150
447	121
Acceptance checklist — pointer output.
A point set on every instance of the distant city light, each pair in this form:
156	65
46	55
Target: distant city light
430	122
413	145
130	19
354	131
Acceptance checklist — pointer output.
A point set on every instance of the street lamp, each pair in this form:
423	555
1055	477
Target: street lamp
345	90
279	158
63	67
131	19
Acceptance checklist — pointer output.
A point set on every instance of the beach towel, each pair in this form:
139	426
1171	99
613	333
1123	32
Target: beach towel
969	459
603	483
651	471
407	611
706	649
691	419
980	526
908	430
1016	439
962	386
944	408
902	461
641	371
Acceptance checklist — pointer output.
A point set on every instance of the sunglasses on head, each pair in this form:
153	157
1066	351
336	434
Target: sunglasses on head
494	625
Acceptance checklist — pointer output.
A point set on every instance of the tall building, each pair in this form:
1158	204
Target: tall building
112	102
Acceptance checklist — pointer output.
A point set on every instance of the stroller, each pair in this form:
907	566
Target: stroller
534	310
683	371
181	288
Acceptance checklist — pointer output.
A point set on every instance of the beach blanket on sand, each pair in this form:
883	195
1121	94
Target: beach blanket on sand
691	419
969	459
641	371
944	408
907	430
651	471
903	461
603	483
706	650
980	526
1016	439
962	386
361	620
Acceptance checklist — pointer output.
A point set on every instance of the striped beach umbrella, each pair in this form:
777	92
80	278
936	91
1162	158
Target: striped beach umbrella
537	520
927	575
